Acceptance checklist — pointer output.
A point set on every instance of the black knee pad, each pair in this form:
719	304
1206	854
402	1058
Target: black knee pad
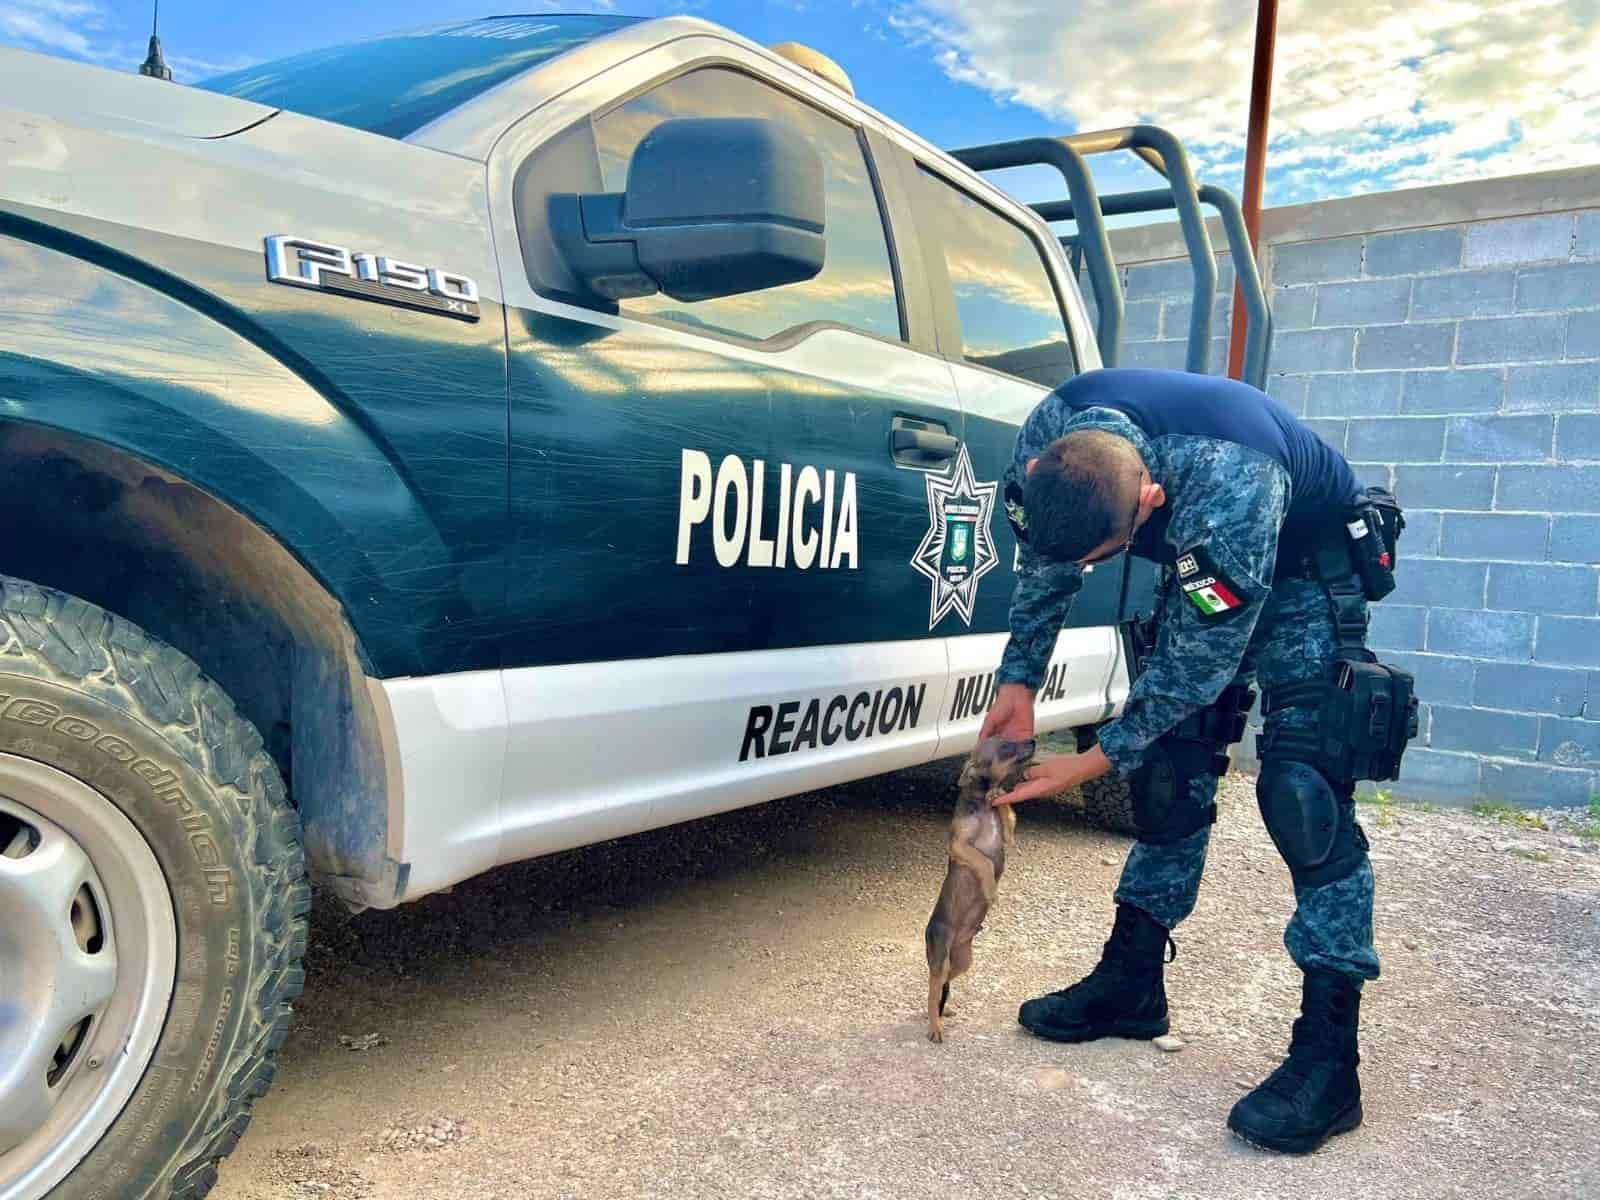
1162	812
1313	827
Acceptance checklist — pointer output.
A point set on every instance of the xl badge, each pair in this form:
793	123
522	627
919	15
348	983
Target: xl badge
957	551
301	262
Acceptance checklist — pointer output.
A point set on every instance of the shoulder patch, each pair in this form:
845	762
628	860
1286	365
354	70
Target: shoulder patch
1014	511
1205	586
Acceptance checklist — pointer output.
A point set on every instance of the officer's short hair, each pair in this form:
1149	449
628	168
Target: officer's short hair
1080	493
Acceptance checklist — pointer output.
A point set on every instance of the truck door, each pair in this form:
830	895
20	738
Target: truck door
714	528
997	297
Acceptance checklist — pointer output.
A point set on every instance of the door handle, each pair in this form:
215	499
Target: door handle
921	443
927	442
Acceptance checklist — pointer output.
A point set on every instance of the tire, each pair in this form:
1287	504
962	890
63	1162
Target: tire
1108	804
117	745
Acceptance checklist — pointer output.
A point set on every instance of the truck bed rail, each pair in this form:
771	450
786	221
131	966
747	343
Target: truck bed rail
1090	245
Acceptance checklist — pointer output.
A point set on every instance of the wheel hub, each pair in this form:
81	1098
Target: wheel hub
87	965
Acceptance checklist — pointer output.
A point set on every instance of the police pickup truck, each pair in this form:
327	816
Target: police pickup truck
442	450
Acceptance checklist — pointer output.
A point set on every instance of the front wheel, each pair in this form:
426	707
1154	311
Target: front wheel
154	893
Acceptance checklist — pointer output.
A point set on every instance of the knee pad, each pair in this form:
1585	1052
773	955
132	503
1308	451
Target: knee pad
1162	811
1313	827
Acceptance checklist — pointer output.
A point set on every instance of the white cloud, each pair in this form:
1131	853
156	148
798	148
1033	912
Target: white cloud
1387	93
72	27
86	30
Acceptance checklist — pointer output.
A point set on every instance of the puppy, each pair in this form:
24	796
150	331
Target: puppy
979	836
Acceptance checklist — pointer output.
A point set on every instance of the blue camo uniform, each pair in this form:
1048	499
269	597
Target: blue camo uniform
1244	480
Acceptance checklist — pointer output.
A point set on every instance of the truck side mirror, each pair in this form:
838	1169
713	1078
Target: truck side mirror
714	206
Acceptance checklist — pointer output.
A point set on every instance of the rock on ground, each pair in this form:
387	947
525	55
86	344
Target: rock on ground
734	1009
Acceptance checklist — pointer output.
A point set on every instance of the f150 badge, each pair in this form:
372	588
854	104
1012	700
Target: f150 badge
302	262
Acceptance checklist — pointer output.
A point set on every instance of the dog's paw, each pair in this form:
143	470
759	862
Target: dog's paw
936	1035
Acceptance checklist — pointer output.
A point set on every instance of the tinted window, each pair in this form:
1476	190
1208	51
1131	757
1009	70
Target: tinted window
396	84
1008	310
856	284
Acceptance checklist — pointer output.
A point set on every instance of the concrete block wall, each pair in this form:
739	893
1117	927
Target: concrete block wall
1448	342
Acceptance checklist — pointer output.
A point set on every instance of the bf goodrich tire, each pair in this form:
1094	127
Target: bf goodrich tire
154	897
1108	803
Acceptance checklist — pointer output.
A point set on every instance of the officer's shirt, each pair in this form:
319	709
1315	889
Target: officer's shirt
1225	504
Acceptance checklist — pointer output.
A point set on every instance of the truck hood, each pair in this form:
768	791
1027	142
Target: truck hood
95	97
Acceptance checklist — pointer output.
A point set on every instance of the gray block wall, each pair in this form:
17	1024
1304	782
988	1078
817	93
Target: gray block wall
1452	352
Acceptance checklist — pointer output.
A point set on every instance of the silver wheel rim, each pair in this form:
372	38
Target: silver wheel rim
88	959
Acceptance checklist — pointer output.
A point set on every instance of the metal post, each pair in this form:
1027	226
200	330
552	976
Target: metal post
1255	160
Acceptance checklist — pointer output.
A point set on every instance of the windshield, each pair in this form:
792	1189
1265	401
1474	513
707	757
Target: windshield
396	84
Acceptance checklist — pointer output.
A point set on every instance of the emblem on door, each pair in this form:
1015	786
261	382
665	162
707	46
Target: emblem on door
957	551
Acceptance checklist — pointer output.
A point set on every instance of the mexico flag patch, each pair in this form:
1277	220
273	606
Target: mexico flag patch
1205	586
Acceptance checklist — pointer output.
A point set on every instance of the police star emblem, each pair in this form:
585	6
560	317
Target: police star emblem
957	551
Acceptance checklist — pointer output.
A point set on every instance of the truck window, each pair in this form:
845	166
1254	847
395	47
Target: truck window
1007	307
856	287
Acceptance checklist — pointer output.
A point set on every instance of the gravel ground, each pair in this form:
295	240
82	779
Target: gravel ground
733	1009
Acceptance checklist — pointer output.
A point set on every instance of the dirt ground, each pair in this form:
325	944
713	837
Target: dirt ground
733	1009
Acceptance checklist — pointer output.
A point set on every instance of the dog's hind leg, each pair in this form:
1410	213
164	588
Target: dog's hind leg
938	989
960	959
937	939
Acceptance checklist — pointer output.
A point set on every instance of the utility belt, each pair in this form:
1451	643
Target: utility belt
1367	711
1367	547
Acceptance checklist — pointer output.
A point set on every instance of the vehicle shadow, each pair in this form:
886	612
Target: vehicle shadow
527	907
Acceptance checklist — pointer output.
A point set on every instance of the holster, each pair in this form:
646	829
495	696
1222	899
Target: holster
1374	524
1196	748
1218	725
1366	710
1365	716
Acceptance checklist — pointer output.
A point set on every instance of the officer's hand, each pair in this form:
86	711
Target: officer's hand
1055	775
1011	714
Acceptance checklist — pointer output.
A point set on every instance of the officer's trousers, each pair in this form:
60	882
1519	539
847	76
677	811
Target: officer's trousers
1331	929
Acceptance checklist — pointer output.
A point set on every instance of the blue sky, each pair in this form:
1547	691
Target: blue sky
1369	95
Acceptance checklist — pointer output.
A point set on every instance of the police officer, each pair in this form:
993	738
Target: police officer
1246	509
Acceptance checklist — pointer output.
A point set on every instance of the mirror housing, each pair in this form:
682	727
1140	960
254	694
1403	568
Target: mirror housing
715	206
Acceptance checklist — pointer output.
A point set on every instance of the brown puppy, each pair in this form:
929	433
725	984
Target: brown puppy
979	835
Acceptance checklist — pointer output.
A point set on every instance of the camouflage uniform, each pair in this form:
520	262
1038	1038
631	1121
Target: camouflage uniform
1233	500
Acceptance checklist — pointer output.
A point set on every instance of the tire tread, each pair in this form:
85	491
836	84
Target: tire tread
63	639
1108	804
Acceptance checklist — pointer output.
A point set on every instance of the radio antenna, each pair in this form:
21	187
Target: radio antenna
154	65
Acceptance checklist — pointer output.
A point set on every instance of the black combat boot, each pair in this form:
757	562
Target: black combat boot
1122	997
1315	1093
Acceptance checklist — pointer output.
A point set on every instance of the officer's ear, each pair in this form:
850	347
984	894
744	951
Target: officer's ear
1151	497
1032	463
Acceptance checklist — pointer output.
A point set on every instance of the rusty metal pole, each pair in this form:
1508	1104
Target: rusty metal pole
1255	161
